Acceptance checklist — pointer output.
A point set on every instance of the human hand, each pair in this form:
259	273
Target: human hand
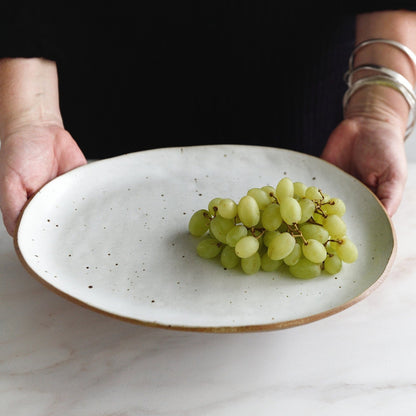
29	158
373	151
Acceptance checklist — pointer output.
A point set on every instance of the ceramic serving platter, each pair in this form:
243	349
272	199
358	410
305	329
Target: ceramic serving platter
113	236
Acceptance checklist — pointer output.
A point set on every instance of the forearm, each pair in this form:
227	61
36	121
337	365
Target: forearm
28	94
395	25
399	26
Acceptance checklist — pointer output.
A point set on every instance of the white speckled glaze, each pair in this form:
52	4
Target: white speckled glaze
112	235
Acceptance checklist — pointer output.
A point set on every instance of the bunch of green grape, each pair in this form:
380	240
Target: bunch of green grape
292	225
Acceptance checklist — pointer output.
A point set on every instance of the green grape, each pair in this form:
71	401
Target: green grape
335	206
199	223
317	232
333	264
294	256
335	226
331	247
261	197
235	233
248	211
347	251
252	264
269	265
318	218
209	248
299	189
268	237
271	192
290	210
228	258
219	228
281	246
292	224
284	189
308	208
271	218
213	206
312	192
305	269
227	208
314	251
247	246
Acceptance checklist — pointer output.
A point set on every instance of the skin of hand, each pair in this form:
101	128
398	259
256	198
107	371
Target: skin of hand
35	147
29	158
373	152
369	143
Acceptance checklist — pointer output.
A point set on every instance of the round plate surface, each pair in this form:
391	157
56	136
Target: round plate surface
113	236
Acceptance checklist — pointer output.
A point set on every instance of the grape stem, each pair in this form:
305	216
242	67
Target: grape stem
318	204
312	221
319	210
333	241
295	232
253	232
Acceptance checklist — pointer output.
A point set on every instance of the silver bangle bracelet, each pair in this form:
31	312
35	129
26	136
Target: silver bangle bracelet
407	51
383	76
390	73
385	81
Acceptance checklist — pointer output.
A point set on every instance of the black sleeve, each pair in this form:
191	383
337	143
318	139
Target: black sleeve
28	29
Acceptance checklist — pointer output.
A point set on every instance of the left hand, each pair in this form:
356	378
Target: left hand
373	151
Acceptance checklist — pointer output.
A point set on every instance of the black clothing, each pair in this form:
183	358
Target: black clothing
175	74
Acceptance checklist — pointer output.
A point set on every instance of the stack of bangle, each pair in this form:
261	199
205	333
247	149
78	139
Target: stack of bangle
382	76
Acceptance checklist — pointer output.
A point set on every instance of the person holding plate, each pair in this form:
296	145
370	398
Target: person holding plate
75	87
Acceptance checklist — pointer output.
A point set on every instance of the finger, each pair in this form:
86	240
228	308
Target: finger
390	194
13	197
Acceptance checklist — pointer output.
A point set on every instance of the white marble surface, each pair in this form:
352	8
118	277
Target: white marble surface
57	358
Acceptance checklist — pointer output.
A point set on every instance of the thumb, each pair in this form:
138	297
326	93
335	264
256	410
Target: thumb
13	197
390	194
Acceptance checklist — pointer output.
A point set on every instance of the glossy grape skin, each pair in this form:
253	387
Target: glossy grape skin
228	258
252	264
227	208
209	248
314	251
284	189
294	255
261	197
290	210
213	206
219	228
305	269
347	251
333	264
248	211
199	223
271	218
281	246
247	246
269	265
235	234
314	231
335	226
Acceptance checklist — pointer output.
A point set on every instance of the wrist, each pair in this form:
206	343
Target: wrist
28	94
381	104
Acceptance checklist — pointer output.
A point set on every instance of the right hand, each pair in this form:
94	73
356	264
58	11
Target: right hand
29	158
